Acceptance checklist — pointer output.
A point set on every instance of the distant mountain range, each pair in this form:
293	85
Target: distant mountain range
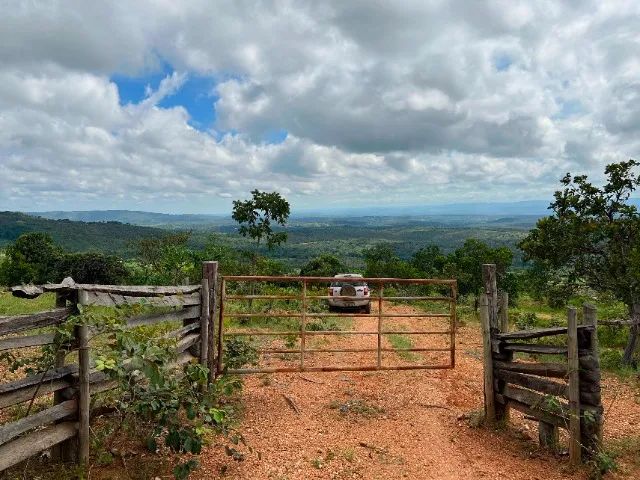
152	219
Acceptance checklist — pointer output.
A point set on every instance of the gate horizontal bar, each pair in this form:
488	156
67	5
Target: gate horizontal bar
320	315
374	280
330	297
339	332
242	371
353	350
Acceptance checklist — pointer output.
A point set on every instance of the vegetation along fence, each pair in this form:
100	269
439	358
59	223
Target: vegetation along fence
562	392
72	380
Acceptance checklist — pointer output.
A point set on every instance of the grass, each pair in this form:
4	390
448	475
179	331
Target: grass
10	305
402	341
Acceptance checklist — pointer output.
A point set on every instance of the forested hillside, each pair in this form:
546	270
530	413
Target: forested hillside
109	237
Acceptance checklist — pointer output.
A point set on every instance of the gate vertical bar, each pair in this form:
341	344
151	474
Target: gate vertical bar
303	323
221	328
380	293
453	324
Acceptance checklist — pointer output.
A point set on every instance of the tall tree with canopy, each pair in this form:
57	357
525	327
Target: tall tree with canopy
593	237
257	215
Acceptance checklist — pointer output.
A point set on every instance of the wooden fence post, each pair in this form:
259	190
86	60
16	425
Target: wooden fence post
210	272
204	323
590	395
84	396
489	396
504	312
491	290
575	450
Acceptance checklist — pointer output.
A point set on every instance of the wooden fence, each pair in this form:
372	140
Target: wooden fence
560	394
65	424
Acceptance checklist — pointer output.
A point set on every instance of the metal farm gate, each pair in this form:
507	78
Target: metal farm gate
284	317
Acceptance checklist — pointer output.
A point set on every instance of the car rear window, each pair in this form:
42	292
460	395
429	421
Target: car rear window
354	283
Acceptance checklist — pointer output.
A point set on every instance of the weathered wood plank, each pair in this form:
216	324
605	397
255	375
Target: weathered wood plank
151	318
543	385
554	370
534	348
11	430
536	401
19	323
204	322
537	333
24	447
210	272
187	341
84	397
33	291
547	417
487	364
107	299
548	435
31	380
491	290
26	341
575	450
182	331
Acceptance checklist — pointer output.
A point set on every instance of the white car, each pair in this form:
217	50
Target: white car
349	285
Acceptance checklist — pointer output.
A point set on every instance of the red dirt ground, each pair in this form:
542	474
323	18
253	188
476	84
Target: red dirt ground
397	424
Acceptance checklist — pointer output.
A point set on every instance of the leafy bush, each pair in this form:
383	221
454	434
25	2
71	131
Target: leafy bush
239	352
525	320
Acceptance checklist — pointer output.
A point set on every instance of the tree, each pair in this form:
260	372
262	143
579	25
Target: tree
382	261
326	265
429	261
465	264
92	267
31	259
166	260
256	216
593	236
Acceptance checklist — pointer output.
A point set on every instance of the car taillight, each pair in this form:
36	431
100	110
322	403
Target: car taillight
366	290
330	292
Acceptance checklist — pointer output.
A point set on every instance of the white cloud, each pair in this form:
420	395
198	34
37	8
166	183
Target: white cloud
383	101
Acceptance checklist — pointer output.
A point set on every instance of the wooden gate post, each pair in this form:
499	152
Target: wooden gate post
210	273
575	450
489	394
491	290
590	395
84	394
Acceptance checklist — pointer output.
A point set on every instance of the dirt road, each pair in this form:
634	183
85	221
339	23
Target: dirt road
394	424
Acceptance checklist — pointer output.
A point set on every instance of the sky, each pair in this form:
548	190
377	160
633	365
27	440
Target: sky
181	107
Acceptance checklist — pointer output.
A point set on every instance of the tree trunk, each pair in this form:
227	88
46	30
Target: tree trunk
634	329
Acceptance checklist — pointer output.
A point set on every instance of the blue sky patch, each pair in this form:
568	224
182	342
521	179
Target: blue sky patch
275	136
502	62
197	94
569	108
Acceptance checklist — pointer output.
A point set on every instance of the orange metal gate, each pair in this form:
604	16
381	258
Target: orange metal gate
233	323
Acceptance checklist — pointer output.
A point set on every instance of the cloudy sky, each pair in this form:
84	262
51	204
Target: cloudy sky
183	106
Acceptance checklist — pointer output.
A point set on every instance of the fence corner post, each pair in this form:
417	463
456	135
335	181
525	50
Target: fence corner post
210	273
489	394
575	449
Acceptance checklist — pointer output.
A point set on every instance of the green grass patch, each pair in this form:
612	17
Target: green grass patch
402	341
10	305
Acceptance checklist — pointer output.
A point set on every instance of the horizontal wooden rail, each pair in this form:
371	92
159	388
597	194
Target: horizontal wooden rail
531	382
24	447
11	430
538	333
554	370
151	318
535	348
27	341
105	299
19	323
